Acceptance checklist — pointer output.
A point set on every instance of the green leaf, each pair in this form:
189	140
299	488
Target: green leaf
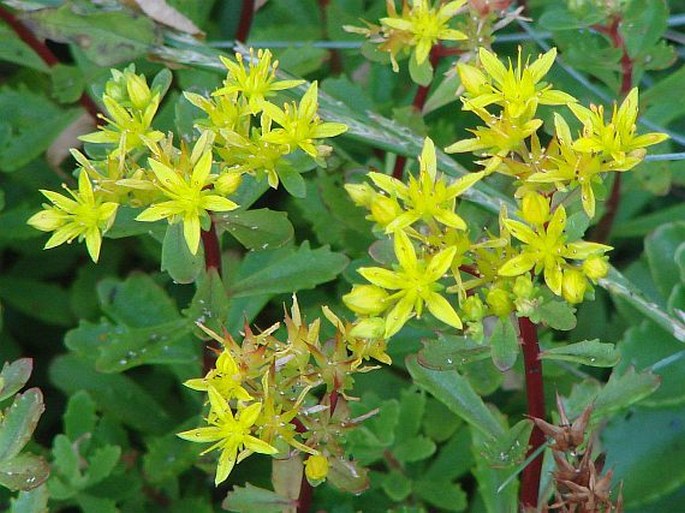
23	472
451	352
412	407
177	260
257	229
292	270
643	25
115	394
660	248
558	315
457	394
421	74
125	225
559	17
101	463
396	485
34	501
14	50
14	376
252	499
80	417
442	494
347	476
67	463
68	83
105	37
622	390
414	449
167	457
588	352
509	449
504	345
210	304
490	478
31	123
444	93
92	504
439	422
645	345
291	179
19	422
642	225
46	302
643	448
368	441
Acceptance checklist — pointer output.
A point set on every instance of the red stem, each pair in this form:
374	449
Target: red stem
43	52
530	480
245	23
210	242
418	103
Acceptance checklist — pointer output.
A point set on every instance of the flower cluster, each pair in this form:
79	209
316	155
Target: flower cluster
415	30
462	277
260	399
243	133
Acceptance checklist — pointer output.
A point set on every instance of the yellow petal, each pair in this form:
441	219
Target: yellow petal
399	315
517	265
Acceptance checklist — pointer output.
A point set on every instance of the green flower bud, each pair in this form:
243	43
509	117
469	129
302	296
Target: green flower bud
138	91
384	210
535	208
574	285
366	299
473	308
361	193
595	267
228	183
500	303
371	328
523	287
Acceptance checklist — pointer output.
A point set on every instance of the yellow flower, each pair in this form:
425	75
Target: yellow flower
366	299
225	378
416	283
545	249
426	25
300	124
427	197
189	198
616	139
574	285
316	468
257	82
519	91
232	435
84	215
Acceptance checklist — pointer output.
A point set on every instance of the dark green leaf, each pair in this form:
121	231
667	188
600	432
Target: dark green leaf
43	301
588	352
19	422
414	449
105	37
451	352
116	394
210	304
504	345
397	486
101	463
660	248
643	25
559	17
257	229
643	449
67	83
177	260
252	499
14	376
456	393
92	504
625	389
555	314
13	49
125	225
293	270
80	417
23	472
442	494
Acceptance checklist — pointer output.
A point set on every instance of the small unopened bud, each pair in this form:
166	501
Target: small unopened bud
500	303
384	210
371	328
138	91
361	193
228	183
595	267
535	208
366	299
473	308
523	287
573	285
316	469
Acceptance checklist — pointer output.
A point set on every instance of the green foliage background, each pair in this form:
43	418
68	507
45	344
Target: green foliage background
95	331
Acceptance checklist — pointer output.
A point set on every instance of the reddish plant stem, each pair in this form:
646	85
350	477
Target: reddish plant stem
212	247
418	103
603	230
245	22
530	480
43	52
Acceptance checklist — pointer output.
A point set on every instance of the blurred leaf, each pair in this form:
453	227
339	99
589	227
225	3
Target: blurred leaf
560	17
622	390
643	25
93	504
14	376
642	225
116	394
165	14
504	345
79	417
347	475
19	422
105	37
649	466
67	83
177	260
14	50
439	422
34	501
23	472
167	457
442	494
588	352
456	393
660	248
257	229
509	449
46	302
210	304
451	352
421	74
292	270
252	499
396	485
32	123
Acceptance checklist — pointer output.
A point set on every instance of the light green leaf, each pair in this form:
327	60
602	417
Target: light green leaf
210	304
14	376
80	417
23	472
588	352
558	315
451	352
34	501
421	74
257	229
252	499
660	248
456	393
622	390
177	260
504	345
19	422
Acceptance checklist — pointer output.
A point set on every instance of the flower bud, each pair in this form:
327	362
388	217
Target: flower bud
573	285
361	193
595	267
473	308
138	91
535	208
228	183
500	303
384	210
366	299
316	468
372	327
523	287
